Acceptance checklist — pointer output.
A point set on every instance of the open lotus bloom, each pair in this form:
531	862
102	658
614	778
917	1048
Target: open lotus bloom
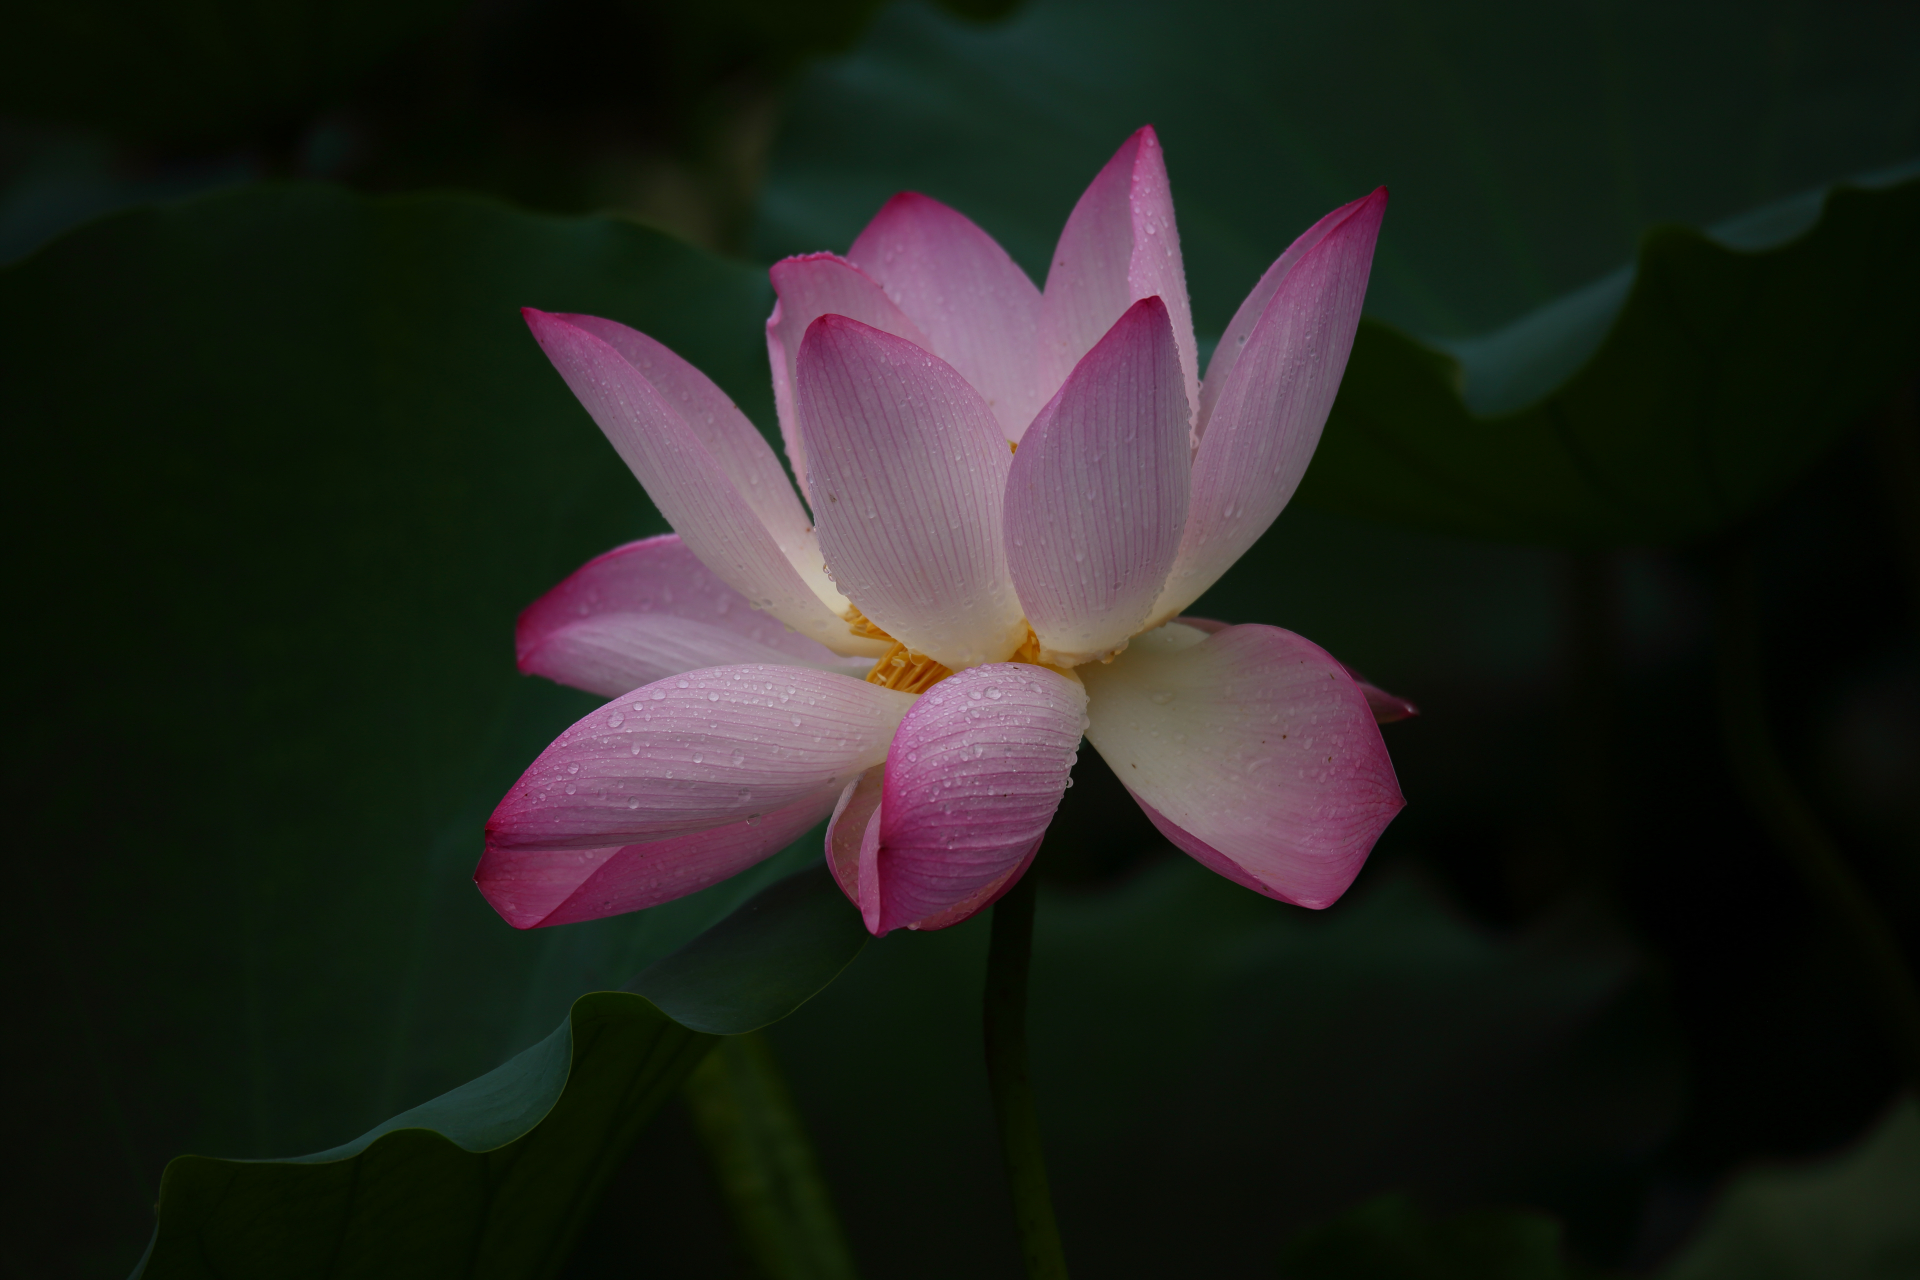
1015	493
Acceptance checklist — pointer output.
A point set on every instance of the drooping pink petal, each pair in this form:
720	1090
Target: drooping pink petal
974	775
1388	708
1097	496
1119	245
691	488
1273	403
648	610
909	472
696	751
1254	305
533	888
808	287
978	309
1254	743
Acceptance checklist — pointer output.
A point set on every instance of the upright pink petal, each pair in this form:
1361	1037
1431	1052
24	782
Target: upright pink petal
1119	245
1253	750
696	751
648	610
974	775
908	473
1254	305
1267	417
808	287
1098	492
978	309
691	488
539	887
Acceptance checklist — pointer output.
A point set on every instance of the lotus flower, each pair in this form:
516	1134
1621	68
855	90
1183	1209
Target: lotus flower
1015	494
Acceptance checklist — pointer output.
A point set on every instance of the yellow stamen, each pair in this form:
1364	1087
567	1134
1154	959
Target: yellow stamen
899	667
909	672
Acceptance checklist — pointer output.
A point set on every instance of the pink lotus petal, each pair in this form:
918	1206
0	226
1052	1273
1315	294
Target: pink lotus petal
983	897
1388	708
533	888
1254	743
691	488
1097	497
978	309
695	751
1205	626
648	610
974	775
908	474
1240	328
853	854
1269	412
1119	245
853	843
742	454
808	287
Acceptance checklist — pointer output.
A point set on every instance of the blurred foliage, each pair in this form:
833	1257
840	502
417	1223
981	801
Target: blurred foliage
285	540
1215	1070
503	1171
1390	1239
652	107
1722	376
205	71
1850	1217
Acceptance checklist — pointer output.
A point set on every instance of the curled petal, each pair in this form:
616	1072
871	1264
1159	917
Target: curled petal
691	487
1098	492
909	472
1119	245
1267	415
648	610
972	780
533	888
696	751
853	843
808	287
1254	745
978	309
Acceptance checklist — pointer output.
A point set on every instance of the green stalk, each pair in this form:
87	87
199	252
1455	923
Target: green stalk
765	1165
1004	1022
1790	819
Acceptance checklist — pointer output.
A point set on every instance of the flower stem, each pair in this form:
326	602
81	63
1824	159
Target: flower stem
1790	819
754	1135
1005	1027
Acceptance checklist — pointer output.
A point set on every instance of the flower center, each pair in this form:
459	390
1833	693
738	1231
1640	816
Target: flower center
909	672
